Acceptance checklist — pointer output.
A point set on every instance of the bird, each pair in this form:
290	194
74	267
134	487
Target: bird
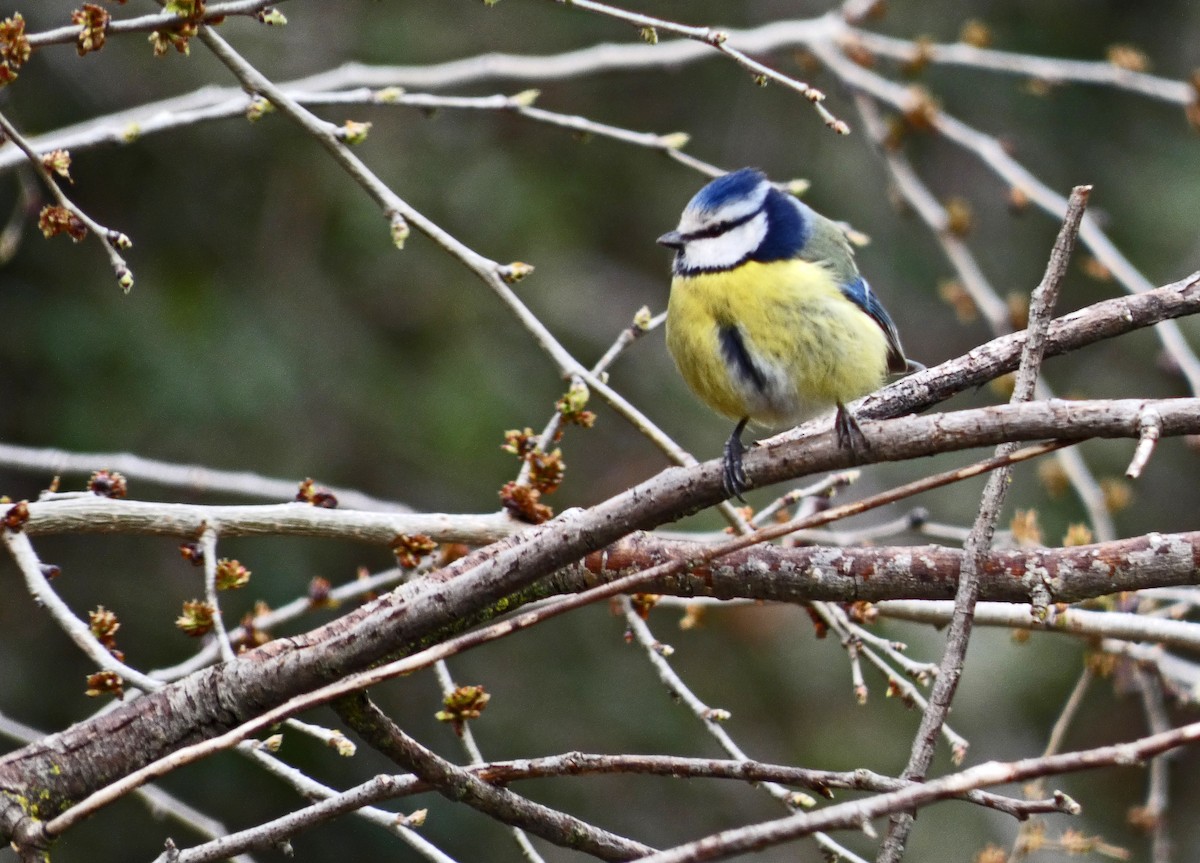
769	320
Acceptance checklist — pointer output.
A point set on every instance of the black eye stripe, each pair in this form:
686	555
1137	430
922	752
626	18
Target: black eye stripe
720	228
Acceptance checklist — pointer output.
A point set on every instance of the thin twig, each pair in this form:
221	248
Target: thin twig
23	211
979	541
358	799
30	565
467	739
712	718
983	294
1056	70
1081	622
112	240
69	34
822	488
173	475
1149	431
462	786
361	680
626	337
993	154
208	547
160	803
914	190
1181	677
854	814
1153	815
268	620
271	834
719	40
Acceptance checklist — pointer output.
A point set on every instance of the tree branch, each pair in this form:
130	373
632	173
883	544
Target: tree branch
462	786
979	541
882	573
219	698
856	813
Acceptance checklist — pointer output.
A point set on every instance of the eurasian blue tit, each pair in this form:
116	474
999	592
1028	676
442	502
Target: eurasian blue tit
769	319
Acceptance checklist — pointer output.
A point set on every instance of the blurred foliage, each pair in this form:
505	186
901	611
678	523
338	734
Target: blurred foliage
274	328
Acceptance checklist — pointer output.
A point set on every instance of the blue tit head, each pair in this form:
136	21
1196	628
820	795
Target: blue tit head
736	218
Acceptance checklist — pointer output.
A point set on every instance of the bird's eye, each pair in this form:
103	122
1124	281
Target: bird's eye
713	228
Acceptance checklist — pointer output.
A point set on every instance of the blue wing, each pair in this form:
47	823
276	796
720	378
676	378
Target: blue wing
859	293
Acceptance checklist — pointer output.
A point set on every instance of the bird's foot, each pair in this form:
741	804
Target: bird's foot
733	475
849	434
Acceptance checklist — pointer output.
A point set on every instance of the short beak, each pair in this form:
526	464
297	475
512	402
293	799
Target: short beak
671	239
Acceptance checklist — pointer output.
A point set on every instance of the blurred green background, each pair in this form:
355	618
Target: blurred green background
274	328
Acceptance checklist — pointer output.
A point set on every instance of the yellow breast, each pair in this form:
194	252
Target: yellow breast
812	346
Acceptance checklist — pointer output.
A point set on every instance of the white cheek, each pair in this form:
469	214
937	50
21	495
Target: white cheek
715	253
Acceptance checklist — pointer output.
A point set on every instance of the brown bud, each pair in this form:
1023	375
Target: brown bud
93	23
105	682
192	553
320	593
410	549
108	483
523	503
310	492
17	515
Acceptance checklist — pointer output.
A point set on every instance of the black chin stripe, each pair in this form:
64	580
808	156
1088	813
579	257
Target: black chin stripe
700	271
733	349
720	228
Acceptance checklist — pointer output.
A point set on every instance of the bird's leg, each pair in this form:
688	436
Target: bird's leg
849	435
734	477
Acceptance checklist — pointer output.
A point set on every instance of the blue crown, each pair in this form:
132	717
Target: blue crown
728	188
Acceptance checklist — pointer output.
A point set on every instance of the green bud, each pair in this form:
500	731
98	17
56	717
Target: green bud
354	132
515	271
400	230
675	140
642	318
389	95
526	98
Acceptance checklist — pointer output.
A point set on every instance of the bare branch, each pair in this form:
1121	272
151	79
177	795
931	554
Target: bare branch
1123	626
517	576
719	40
992	153
447	597
185	476
113	241
854	814
147	23
92	514
1149	431
461	785
926	573
30	565
388	787
979	541
983	295
1052	69
208	547
331	803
